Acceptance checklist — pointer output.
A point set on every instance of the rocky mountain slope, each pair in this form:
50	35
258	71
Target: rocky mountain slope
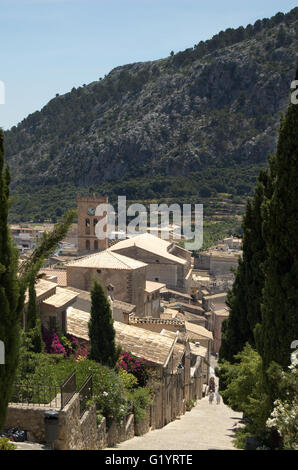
216	104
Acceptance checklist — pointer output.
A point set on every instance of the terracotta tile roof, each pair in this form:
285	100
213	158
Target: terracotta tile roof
176	293
148	344
62	297
59	273
197	330
106	260
153	286
198	350
221	295
156	321
150	243
43	290
120	305
224	312
142	343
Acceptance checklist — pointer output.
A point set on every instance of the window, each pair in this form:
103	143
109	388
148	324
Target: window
94	225
157	279
95	245
87	226
88	245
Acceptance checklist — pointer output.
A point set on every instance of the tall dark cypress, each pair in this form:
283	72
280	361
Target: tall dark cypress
279	323
9	293
245	296
14	281
101	329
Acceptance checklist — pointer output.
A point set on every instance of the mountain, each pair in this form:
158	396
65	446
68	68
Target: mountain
213	106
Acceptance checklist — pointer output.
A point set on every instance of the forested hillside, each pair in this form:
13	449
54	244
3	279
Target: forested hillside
199	122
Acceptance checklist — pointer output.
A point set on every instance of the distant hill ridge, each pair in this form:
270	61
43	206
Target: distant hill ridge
216	105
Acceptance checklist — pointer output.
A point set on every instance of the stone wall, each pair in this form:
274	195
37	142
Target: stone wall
27	417
129	285
83	433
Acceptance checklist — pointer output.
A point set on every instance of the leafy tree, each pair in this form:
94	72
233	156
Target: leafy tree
13	284
101	329
244	389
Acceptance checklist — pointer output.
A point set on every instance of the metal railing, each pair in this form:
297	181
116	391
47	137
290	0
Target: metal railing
85	394
28	393
68	389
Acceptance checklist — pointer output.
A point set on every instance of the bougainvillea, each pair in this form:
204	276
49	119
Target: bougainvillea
52	342
136	366
80	347
67	345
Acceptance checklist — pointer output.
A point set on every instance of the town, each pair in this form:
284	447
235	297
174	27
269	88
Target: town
148	229
167	307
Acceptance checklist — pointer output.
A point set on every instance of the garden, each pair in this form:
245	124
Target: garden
117	391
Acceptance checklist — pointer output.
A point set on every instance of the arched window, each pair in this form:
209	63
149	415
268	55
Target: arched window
87	226
94	225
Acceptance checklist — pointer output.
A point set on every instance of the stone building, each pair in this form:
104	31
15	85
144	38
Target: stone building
87	220
152	299
176	362
217	317
167	263
217	262
123	278
52	302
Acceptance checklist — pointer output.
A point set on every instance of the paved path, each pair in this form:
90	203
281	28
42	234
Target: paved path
30	446
204	427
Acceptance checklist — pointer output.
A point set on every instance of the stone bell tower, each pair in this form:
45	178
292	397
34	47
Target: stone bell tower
87	220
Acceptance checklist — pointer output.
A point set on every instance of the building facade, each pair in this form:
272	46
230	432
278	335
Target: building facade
87	220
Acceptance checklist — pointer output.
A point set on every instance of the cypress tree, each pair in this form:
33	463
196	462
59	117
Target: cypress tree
31	314
244	298
14	282
101	329
279	323
9	293
33	322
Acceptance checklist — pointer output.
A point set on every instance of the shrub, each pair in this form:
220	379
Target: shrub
140	399
129	381
52	342
108	394
136	366
6	445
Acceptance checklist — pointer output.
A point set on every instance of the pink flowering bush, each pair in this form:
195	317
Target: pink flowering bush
67	345
80	347
52	342
136	366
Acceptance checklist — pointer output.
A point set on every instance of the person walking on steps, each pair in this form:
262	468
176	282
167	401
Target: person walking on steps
211	398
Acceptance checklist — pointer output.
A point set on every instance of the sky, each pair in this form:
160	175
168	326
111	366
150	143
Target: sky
50	46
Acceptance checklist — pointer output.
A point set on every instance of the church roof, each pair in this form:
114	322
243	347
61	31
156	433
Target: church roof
106	260
152	244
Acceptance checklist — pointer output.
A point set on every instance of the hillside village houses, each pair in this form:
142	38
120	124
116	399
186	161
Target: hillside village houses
163	308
